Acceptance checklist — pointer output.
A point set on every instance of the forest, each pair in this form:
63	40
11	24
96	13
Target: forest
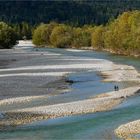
120	36
74	12
113	25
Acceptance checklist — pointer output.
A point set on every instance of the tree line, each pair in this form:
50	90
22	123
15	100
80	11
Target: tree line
120	36
23	30
11	33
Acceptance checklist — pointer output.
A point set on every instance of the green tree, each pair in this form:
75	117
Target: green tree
38	35
98	37
134	21
41	35
23	30
122	35
47	32
74	12
26	30
8	37
61	36
81	37
17	29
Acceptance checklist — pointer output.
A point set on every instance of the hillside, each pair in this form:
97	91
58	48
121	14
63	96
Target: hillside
73	12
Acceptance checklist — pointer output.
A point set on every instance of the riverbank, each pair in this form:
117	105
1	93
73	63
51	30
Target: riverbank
39	72
103	50
129	130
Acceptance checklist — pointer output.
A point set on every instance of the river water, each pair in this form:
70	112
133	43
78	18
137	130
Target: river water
93	126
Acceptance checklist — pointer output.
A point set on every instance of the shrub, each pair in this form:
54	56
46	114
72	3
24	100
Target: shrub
81	37
41	35
61	36
8	37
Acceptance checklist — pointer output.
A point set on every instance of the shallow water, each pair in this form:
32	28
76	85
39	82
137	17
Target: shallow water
88	126
94	126
102	55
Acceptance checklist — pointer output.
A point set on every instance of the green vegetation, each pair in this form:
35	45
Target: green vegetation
74	12
39	37
98	37
121	36
82	37
42	34
23	30
61	36
104	25
8	36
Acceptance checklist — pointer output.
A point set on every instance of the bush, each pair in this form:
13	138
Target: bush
8	37
41	35
61	36
81	37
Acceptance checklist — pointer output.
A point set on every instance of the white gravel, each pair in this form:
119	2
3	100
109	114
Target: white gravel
20	99
128	130
105	102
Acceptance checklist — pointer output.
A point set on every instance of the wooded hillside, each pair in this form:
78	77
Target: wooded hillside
73	12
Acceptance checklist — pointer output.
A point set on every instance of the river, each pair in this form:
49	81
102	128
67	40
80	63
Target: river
87	83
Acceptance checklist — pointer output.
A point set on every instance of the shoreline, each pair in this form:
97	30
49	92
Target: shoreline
104	50
103	102
128	130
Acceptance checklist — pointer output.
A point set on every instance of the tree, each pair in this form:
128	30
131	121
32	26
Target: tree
26	30
41	35
8	37
123	35
23	30
81	37
61	36
98	37
48	31
38	35
74	12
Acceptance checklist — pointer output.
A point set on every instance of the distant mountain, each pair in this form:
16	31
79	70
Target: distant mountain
70	11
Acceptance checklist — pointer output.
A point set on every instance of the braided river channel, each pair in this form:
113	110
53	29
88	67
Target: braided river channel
28	71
